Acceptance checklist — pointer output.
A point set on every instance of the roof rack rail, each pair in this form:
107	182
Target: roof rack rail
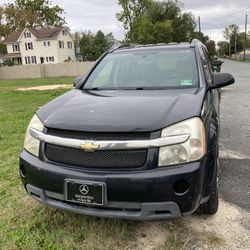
194	41
118	45
173	43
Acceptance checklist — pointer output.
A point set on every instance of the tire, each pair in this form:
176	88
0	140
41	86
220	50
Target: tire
212	205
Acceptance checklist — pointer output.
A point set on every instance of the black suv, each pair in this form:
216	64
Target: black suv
137	138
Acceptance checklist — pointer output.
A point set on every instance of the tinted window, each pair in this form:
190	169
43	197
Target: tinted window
145	69
206	65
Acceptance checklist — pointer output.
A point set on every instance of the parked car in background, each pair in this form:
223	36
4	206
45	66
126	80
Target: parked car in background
137	138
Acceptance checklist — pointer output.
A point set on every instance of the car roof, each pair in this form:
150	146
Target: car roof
135	47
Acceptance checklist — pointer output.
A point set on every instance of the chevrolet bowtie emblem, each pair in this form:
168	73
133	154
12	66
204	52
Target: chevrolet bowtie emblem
89	147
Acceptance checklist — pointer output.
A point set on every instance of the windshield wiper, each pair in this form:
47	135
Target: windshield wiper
91	88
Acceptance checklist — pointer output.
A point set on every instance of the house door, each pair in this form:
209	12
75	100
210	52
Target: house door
42	60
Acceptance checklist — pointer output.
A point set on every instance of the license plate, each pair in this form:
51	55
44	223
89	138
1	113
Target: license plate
88	193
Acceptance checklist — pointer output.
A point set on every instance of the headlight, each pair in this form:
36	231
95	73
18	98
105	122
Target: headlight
191	150
31	144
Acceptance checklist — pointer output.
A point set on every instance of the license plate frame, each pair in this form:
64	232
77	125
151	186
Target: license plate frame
92	193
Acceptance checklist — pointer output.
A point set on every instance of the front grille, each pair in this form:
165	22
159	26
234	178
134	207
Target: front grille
106	136
98	159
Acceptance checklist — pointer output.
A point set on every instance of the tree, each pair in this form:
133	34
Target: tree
132	10
199	35
147	32
93	46
223	49
231	34
30	13
100	43
148	21
3	48
184	28
211	47
230	31
110	39
4	30
87	47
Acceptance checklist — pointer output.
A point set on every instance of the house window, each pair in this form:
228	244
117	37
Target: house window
70	45
64	32
27	59
27	35
29	46
61	44
30	60
46	44
33	59
50	59
15	47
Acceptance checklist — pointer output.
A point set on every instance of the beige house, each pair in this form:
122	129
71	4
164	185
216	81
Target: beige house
37	46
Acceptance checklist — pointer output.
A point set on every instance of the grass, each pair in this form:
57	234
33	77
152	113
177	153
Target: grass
12	84
24	223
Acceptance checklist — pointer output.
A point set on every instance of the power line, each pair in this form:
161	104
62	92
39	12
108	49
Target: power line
228	15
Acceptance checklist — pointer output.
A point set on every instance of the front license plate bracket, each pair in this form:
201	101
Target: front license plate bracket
85	192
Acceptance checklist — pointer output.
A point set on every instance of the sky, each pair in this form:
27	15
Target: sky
94	15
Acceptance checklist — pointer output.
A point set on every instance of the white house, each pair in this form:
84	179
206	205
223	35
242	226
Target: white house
40	46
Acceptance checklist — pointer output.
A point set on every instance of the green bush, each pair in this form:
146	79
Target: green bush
8	63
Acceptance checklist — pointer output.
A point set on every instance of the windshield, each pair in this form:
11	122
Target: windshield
146	69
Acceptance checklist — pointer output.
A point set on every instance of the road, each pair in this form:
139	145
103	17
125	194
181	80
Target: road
234	174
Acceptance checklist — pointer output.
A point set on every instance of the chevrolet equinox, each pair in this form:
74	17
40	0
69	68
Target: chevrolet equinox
137	138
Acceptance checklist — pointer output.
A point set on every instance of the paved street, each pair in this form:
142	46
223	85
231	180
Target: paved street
234	174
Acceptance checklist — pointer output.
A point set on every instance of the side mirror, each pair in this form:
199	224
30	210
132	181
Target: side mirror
77	80
221	80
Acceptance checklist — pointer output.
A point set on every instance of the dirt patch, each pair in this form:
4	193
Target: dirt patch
150	235
229	154
47	87
229	224
228	229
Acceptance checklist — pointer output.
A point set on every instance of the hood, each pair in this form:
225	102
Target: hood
121	111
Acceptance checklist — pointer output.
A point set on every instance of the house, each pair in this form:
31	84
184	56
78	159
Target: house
40	46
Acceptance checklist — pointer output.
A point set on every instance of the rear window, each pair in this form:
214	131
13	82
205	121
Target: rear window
145	69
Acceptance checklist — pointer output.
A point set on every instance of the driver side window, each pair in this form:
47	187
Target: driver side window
206	65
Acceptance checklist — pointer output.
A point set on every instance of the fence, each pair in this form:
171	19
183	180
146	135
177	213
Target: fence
44	70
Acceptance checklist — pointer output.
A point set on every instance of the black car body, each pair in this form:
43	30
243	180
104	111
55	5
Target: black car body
125	152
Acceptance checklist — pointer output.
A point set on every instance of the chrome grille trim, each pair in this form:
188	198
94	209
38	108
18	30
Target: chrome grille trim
110	145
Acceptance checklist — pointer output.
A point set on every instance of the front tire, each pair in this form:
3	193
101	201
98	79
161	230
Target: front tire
212	205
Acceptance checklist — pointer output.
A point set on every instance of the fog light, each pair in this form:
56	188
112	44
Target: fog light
181	187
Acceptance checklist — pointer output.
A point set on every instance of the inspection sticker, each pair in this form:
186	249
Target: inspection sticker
187	82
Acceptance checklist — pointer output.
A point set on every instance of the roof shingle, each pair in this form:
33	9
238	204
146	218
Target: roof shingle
38	33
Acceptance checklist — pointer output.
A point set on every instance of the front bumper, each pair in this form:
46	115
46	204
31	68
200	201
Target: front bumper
139	195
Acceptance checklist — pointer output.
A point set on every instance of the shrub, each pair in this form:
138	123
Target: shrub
8	63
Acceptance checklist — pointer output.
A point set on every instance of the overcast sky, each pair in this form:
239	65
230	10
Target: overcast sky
82	15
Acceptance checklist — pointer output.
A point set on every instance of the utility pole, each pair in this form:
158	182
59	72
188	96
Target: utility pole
245	43
235	44
199	21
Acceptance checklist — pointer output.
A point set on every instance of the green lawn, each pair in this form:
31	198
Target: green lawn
24	223
12	84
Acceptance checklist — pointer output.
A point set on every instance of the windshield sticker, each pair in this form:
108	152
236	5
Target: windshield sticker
186	82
